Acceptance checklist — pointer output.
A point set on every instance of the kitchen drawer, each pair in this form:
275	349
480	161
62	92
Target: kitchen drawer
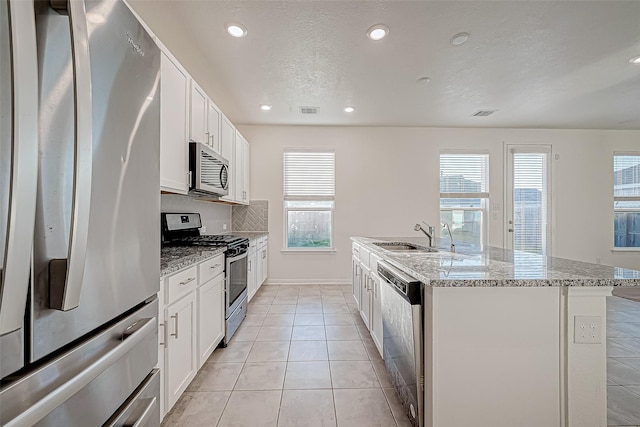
182	283
364	256
355	250
253	244
261	242
210	268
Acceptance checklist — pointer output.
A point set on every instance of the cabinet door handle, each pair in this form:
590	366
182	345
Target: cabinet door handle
163	335
176	325
249	265
208	137
213	267
189	280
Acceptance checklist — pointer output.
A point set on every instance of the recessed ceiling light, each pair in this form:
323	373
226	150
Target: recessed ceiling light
236	30
377	32
265	107
349	109
635	60
459	39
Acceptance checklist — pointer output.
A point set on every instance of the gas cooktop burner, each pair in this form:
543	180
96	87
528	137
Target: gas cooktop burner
213	240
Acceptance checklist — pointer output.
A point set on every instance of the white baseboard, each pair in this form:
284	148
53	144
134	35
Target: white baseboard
310	282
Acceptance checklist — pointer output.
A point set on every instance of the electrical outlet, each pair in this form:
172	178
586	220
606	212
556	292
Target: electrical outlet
588	330
203	229
224	227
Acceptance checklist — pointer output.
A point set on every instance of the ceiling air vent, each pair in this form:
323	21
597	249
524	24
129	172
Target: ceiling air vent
309	110
483	113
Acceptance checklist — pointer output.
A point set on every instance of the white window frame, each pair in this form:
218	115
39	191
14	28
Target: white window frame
483	195
288	198
622	199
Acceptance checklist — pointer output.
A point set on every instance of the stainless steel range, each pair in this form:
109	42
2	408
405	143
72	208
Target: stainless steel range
183	229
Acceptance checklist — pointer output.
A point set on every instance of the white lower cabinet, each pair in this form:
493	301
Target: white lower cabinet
366	290
210	317
190	325
252	265
180	363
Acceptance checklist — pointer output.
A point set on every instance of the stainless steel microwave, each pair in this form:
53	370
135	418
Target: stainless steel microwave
208	171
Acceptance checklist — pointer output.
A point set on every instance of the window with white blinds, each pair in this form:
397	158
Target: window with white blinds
626	199
530	201
309	174
464	194
309	193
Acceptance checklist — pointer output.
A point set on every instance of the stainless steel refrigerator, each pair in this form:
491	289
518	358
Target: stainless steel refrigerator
79	223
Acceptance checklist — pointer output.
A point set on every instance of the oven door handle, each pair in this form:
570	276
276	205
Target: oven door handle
236	258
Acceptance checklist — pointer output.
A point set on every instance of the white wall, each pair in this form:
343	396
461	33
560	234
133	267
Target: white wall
215	216
387	180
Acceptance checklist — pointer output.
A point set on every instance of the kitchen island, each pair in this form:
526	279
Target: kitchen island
500	334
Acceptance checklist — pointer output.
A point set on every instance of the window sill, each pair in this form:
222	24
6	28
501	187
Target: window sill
312	250
625	250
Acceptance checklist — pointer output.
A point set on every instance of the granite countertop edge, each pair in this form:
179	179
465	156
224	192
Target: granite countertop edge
176	258
430	268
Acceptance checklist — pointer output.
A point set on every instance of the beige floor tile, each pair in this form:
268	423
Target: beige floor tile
310	299
285	299
307	375
350	299
308	292
251	409
338	320
402	419
614	419
362	408
278	319
353	308
622	374
197	409
309	319
342	333
236	351
335	308
633	362
308	350
308	333
282	308
288	290
309	308
253	320
269	351
258	308
353	374
263	299
372	350
246	333
347	350
332	292
215	376
274	333
261	376
616	350
333	299
308	408
347	289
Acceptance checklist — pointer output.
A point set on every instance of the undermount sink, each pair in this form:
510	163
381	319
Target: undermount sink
403	247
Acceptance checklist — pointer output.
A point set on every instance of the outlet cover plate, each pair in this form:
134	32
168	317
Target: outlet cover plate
588	330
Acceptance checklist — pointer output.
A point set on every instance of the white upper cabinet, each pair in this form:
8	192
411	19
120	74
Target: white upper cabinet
204	124
174	112
242	169
228	151
198	115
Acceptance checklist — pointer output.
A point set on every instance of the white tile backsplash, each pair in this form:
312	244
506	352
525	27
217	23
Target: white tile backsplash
214	215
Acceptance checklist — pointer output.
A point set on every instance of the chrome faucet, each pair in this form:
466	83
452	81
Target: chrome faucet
429	233
453	246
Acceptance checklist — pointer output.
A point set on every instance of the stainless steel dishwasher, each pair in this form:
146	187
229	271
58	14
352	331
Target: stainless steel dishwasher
403	338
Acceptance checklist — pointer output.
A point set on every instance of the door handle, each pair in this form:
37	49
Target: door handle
65	275
510	230
145	416
14	274
64	392
164	334
176	326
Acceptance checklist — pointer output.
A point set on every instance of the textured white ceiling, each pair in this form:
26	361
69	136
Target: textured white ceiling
541	64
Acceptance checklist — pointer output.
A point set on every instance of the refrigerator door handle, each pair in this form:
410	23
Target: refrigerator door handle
146	415
65	275
65	391
14	278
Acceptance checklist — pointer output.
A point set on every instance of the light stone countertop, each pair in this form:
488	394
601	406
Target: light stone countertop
176	258
251	235
492	267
